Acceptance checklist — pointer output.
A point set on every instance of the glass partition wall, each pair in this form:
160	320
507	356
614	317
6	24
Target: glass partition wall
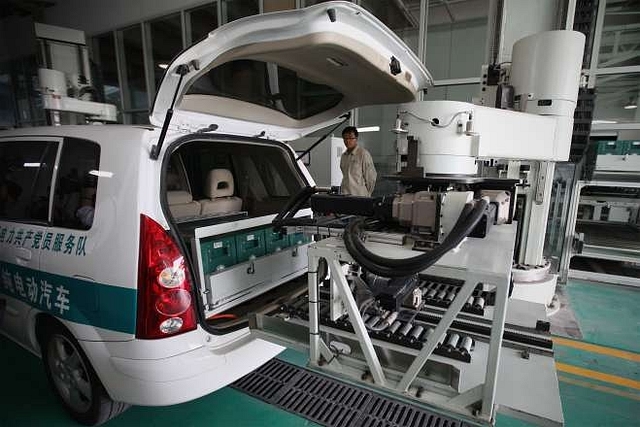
132	60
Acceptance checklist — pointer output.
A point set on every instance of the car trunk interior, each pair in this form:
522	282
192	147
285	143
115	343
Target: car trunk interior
267	303
222	196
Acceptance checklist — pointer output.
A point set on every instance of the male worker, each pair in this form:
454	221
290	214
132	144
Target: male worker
356	164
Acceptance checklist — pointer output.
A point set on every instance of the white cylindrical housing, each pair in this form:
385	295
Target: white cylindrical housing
443	149
442	164
52	82
545	72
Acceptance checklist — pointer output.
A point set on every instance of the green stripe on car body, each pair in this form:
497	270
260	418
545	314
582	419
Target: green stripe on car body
81	301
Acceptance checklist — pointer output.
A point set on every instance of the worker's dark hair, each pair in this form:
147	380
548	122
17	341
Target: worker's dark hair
350	129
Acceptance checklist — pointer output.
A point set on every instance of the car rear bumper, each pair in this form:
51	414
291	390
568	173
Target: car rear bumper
178	378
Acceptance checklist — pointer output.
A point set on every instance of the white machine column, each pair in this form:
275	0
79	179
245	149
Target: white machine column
534	237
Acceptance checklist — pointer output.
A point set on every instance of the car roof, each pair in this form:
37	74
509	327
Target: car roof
92	132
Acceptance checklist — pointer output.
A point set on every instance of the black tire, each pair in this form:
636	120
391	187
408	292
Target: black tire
73	379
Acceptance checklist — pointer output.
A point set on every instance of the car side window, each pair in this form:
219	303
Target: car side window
75	198
26	169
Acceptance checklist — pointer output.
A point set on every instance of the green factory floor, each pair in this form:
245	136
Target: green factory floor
599	377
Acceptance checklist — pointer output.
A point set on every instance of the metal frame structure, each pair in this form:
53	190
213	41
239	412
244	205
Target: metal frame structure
511	349
150	84
610	253
473	262
595	69
599	277
564	178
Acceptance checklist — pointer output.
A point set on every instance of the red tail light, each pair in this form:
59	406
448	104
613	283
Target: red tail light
165	306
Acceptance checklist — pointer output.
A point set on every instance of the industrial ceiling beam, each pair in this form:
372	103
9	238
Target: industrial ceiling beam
448	9
406	13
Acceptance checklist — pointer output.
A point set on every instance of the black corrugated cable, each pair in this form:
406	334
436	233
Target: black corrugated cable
392	267
393	262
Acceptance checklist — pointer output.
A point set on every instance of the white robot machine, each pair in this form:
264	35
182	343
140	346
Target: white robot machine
409	293
453	139
65	77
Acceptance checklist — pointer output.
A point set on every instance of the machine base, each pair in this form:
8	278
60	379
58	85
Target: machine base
540	290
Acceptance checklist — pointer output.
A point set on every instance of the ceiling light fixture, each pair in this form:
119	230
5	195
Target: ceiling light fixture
631	105
369	129
103	174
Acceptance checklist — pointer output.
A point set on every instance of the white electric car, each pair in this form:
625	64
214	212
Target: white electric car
131	255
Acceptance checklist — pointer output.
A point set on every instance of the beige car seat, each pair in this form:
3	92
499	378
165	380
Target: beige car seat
181	204
219	188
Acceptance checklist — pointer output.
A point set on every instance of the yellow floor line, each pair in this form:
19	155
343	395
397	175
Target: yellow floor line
597	387
607	378
592	348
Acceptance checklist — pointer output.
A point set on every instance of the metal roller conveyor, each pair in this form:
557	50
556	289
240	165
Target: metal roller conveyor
405	329
416	332
373	321
402	332
511	337
394	327
452	341
467	344
431	293
442	294
450	296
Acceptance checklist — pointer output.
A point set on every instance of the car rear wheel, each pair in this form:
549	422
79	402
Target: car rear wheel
74	381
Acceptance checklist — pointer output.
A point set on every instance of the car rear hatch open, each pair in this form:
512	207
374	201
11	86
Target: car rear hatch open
276	76
284	75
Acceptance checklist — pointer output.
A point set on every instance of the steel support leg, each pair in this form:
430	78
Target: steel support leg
570	230
432	341
357	323
314	327
495	346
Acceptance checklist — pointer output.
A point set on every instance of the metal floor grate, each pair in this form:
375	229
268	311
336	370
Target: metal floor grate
331	402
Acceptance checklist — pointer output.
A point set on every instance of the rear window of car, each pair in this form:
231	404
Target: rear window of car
263	177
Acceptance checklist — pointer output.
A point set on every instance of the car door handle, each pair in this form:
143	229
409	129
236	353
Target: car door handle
23	256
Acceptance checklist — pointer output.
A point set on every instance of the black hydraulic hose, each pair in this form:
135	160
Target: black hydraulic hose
355	228
401	267
406	267
385	270
458	233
